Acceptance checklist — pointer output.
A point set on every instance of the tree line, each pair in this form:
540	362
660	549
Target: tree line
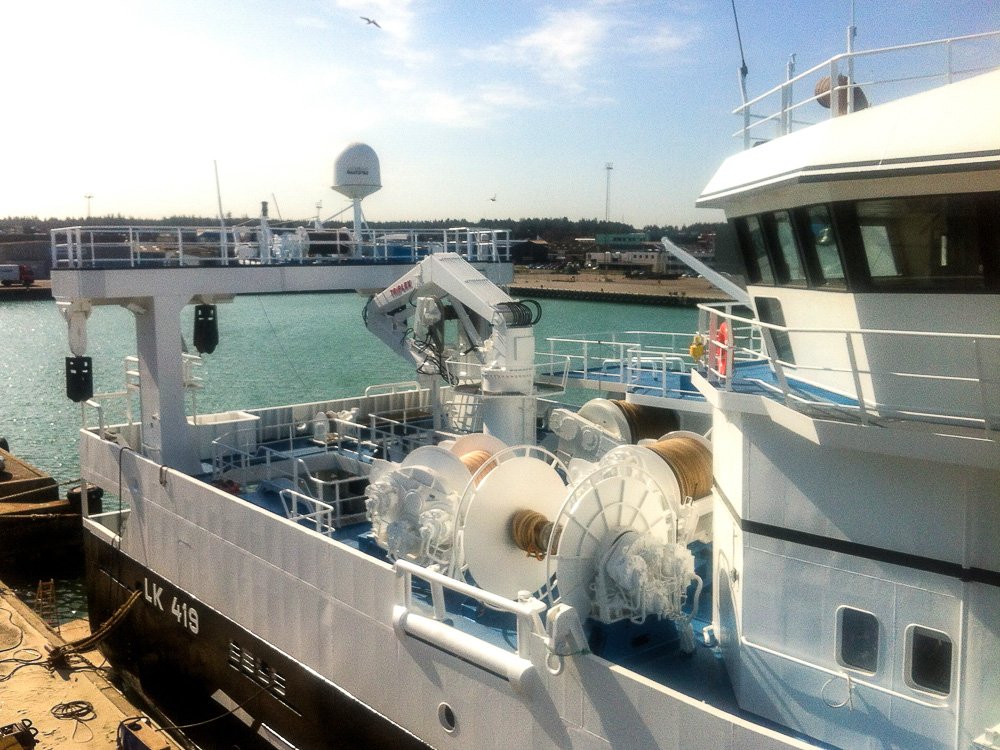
549	229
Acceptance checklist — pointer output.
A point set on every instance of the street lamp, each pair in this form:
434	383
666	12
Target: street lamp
88	197
607	192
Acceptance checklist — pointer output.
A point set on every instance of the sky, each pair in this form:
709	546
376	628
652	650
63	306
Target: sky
135	102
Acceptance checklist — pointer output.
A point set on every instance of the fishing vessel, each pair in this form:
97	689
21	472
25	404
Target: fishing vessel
777	534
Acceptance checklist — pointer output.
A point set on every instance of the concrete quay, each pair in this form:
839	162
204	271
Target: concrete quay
33	691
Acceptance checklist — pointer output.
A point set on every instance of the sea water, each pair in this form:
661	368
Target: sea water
273	350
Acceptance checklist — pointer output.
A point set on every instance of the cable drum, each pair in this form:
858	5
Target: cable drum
520	314
474	461
629	422
690	458
647	422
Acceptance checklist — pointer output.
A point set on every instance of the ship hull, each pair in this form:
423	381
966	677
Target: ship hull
245	689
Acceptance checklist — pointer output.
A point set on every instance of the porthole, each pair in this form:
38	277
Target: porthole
447	717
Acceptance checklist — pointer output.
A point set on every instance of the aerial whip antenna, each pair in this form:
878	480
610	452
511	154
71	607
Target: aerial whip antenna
743	61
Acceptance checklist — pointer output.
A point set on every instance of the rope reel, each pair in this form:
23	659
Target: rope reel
690	458
631	422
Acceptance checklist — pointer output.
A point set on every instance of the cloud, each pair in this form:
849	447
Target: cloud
564	44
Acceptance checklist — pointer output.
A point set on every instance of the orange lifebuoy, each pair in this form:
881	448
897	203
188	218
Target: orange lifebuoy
721	347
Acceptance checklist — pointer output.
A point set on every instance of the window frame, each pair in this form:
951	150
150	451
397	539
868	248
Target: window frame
840	640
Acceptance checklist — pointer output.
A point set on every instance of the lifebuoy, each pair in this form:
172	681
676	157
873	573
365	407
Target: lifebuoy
721	347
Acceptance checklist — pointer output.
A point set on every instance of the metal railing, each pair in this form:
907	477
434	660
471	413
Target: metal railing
903	70
607	357
903	384
138	246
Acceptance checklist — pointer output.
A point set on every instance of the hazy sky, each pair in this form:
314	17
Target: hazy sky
131	101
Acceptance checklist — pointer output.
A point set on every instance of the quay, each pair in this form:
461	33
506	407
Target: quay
62	706
41	289
614	286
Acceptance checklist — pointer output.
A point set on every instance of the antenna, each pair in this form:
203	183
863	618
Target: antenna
607	192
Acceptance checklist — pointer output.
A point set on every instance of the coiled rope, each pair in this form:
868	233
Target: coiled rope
530	531
647	422
691	462
474	461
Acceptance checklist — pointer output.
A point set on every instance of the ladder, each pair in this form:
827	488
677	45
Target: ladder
45	603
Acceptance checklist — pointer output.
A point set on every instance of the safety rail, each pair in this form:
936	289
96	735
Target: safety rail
832	370
605	357
908	69
319	514
134	246
440	631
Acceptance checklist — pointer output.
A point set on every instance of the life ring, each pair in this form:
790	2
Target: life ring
721	348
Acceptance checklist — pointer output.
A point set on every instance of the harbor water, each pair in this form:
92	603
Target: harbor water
273	350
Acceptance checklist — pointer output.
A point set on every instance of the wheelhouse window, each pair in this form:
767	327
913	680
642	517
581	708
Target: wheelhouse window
789	264
857	639
936	242
758	263
928	660
829	270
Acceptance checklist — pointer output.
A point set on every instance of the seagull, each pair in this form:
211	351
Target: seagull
494	198
370	21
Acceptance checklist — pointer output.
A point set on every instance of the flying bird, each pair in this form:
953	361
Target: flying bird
494	198
370	21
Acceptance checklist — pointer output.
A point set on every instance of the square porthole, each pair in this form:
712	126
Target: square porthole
857	639
929	656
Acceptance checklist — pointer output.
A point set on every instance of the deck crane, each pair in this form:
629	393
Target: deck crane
459	328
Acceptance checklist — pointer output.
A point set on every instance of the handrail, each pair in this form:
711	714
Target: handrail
132	246
783	92
517	668
854	343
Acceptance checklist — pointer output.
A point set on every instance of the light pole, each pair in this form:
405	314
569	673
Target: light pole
88	197
607	192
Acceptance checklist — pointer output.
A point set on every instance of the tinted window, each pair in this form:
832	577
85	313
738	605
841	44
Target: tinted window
858	639
756	248
930	660
824	241
784	236
936	242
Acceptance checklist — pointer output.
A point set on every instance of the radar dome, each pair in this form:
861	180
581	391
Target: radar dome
356	171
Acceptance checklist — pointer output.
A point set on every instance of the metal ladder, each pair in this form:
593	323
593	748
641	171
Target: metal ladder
45	604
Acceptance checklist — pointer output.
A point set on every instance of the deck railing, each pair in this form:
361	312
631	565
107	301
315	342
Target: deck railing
143	246
865	374
869	76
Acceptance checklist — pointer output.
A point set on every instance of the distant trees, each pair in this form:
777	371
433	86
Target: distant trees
550	229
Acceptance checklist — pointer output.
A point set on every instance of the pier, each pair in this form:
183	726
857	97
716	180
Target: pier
62	704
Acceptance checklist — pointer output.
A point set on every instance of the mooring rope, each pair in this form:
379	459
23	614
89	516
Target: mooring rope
59	653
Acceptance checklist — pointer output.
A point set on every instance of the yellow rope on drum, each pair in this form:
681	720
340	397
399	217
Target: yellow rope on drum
530	531
647	422
474	460
691	461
